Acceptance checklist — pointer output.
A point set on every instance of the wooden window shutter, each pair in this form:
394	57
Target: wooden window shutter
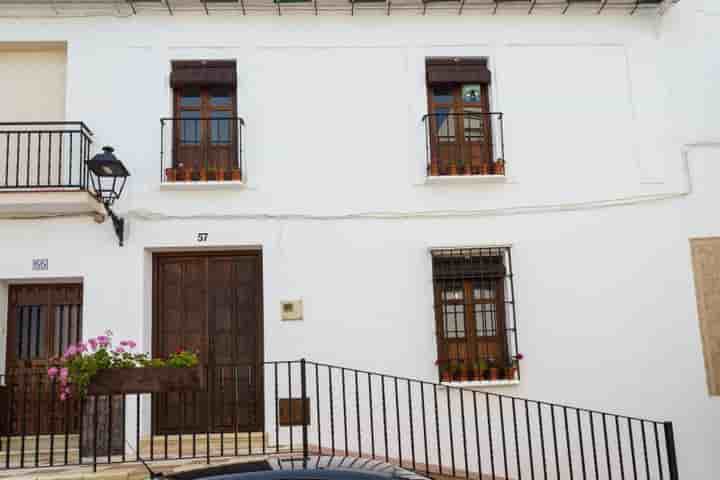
706	267
203	73
445	70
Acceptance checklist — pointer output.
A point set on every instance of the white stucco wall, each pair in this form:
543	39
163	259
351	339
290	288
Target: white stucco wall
599	111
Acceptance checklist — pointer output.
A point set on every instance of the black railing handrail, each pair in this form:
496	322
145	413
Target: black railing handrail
462	114
83	127
491	394
184	119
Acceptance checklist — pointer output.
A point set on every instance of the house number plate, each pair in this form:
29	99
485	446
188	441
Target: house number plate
40	264
202	237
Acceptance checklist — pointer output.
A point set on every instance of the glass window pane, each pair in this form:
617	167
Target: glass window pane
471	93
190	97
454	321
485	320
189	127
221	97
221	125
444	125
442	94
473	124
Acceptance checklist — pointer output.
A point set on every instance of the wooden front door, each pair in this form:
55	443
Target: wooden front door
43	320
211	302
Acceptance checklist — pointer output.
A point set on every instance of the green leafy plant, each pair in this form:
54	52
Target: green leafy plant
81	362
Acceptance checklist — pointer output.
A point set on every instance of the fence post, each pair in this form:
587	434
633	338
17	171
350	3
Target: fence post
305	412
670	449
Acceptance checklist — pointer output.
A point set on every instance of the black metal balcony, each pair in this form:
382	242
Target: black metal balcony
44	155
201	149
467	143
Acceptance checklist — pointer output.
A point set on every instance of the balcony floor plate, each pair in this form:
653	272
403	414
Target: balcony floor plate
39	204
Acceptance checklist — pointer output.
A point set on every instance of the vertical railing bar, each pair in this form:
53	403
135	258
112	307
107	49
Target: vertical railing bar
305	412
7	157
619	443
344	405
412	429
332	411
95	431
477	436
542	440
109	427
529	439
11	407
39	411
27	163
670	450
289	367
517	443
195	429
632	448
490	438
17	159
183	403
124	413
61	141
235	395
397	420
39	156
357	413
657	450
607	447
277	408
502	436
137	428
582	448
317	407
424	426
555	445
251	406
594	447
24	423
567	443
437	430
464	437
372	416
645	452
59	180
210	413
450	430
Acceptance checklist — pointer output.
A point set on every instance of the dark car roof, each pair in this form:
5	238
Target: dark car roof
313	468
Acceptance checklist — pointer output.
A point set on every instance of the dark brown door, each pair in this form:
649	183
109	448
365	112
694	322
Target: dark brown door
43	320
206	127
212	303
460	128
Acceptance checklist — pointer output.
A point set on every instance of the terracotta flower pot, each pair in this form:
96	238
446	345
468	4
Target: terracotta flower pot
170	175
453	168
236	175
484	168
499	167
434	171
220	177
203	175
467	169
494	373
188	175
445	377
510	373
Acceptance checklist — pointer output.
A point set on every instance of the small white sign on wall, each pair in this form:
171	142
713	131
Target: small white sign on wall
40	264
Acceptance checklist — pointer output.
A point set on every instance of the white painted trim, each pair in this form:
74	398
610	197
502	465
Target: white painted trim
430	248
209	185
465	179
482	383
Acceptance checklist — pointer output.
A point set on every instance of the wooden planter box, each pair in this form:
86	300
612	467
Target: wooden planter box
147	380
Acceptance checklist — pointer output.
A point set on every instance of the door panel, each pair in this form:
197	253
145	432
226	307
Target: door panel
220	315
43	320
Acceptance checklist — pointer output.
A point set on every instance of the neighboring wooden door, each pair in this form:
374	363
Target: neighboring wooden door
43	320
460	128
211	303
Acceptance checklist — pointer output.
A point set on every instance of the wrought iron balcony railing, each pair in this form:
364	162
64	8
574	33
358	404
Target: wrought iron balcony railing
467	143
44	155
201	149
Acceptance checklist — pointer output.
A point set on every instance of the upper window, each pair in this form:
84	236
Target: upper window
459	123
205	123
474	313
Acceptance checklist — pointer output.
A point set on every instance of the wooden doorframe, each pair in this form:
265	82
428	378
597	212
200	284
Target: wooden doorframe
260	346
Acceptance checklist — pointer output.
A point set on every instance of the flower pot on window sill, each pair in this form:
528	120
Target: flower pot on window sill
236	175
445	377
434	171
453	169
510	373
203	175
484	169
188	177
147	380
499	167
220	177
170	175
466	169
493	373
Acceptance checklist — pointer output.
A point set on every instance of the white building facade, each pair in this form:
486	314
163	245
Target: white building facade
587	131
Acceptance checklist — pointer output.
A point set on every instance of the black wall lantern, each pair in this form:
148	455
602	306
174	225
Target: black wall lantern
107	179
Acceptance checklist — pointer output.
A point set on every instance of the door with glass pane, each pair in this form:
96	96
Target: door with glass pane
461	140
43	320
206	129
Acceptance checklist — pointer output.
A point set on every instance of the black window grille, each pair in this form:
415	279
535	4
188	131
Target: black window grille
475	313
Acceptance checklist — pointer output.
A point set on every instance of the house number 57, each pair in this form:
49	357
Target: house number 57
202	237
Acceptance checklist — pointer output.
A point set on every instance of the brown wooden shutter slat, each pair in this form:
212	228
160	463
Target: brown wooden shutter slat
206	73
457	70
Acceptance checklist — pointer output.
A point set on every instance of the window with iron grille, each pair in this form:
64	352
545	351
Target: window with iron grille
475	313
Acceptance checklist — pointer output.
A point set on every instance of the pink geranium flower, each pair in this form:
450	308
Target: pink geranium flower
52	372
93	343
71	350
131	344
119	350
103	341
64	373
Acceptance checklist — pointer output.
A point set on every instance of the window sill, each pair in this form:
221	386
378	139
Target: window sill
208	185
463	179
482	383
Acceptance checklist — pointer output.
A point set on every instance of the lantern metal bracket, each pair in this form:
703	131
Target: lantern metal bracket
118	223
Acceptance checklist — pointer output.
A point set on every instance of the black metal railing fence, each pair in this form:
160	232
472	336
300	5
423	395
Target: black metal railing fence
44	155
316	408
